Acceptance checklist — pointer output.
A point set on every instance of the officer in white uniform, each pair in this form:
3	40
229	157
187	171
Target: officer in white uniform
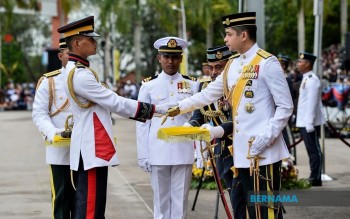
255	86
310	115
50	112
169	164
93	143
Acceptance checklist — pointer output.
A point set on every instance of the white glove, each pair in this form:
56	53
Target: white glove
199	163
186	124
163	108
144	164
309	128
215	131
51	135
258	147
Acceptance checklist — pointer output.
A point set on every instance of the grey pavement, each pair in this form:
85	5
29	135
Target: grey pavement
25	187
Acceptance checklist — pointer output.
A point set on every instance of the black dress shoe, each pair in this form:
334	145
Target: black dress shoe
315	182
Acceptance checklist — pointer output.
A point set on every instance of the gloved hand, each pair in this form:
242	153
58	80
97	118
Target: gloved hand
199	163
187	124
215	131
51	135
309	128
163	108
257	147
144	164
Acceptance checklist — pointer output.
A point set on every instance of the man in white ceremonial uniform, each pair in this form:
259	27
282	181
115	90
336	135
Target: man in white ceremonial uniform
93	143
50	112
255	86
169	164
310	115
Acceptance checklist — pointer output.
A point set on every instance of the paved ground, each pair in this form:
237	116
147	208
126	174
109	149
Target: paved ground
25	190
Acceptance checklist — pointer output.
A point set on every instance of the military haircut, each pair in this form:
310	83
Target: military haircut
69	40
250	29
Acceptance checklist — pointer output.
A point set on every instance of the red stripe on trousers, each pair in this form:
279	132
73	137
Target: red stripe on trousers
91	194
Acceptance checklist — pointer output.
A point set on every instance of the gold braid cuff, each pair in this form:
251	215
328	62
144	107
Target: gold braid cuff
88	104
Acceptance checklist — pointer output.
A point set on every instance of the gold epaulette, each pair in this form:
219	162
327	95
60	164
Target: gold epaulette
205	79
149	79
189	77
234	56
52	73
263	53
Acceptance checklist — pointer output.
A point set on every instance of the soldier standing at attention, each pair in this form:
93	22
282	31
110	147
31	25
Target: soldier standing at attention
50	111
169	164
216	115
93	143
310	115
256	88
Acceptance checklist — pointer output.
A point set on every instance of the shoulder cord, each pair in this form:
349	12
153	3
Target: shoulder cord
88	104
52	99
227	92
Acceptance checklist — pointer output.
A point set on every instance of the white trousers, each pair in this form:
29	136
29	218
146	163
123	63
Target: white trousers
171	184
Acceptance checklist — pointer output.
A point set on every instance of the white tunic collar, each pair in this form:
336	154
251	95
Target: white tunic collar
251	52
165	76
307	74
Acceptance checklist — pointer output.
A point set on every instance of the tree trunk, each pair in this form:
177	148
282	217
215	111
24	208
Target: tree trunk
137	43
301	29
209	33
343	20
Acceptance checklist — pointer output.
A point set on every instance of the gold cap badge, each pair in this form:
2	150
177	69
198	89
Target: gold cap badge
218	55
172	43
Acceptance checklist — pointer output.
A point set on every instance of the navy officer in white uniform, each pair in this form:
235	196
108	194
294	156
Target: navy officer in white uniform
254	85
169	164
310	115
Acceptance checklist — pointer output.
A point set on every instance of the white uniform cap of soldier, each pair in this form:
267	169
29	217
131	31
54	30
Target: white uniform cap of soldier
170	45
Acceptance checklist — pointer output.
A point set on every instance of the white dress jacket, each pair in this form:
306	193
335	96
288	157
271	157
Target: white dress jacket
165	89
272	107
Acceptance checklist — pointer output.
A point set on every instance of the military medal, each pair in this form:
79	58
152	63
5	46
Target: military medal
186	86
179	87
249	107
249	83
248	94
251	71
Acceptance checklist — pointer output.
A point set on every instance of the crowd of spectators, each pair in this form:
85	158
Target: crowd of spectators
17	96
20	96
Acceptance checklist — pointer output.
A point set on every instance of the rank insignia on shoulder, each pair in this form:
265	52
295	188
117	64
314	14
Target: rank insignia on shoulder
205	79
149	79
80	65
234	56
310	76
263	53
249	94
189	77
52	73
